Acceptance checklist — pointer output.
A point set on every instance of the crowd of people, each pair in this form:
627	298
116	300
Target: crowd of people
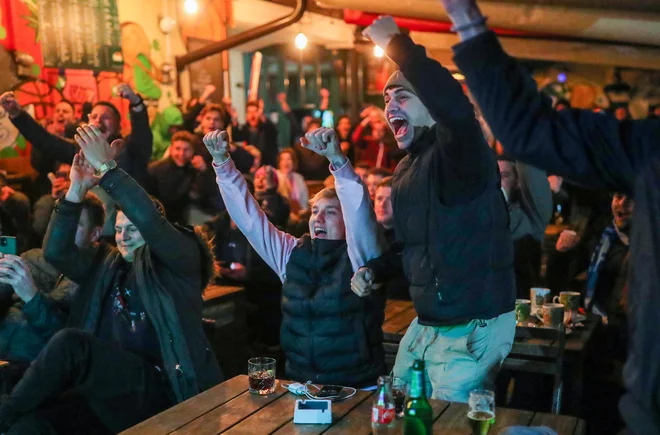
442	198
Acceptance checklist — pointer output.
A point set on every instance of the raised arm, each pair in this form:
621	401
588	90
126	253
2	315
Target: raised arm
140	142
190	117
52	146
169	244
60	249
273	245
592	149
363	235
295	128
466	162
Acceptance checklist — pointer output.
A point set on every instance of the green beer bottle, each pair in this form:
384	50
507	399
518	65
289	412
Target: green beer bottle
417	414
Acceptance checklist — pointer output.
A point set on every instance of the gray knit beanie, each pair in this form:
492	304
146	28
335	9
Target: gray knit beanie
399	81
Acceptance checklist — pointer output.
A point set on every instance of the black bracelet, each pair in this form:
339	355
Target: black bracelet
480	22
138	103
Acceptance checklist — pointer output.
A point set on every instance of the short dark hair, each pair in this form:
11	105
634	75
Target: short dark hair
385	182
253	104
380	172
112	108
157	203
213	108
65	101
362	165
342	117
184	136
95	209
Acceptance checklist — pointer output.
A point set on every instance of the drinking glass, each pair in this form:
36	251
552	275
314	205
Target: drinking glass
399	393
261	374
481	411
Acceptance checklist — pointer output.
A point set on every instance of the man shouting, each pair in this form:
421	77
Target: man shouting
450	217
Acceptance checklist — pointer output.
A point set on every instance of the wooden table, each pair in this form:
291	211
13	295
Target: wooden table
399	314
214	292
553	230
229	408
224	305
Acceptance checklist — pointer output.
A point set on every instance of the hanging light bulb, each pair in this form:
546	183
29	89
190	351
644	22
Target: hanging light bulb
300	41
190	6
378	52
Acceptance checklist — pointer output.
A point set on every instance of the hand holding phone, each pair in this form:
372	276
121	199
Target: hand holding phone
8	245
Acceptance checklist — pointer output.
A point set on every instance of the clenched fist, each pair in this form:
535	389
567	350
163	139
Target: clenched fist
362	282
381	31
217	142
465	15
9	103
324	142
125	91
454	7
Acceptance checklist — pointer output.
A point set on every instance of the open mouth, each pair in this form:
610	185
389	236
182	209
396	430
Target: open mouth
320	233
399	125
622	215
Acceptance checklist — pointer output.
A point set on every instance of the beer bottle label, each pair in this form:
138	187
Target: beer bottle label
383	415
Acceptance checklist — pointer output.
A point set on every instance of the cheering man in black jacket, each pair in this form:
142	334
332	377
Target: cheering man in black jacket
595	150
451	218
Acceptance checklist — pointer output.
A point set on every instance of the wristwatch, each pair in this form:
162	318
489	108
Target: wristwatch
107	166
132	106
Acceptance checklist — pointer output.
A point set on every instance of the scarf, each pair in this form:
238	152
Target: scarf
596	263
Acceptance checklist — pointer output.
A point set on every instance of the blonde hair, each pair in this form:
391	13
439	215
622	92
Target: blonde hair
327	193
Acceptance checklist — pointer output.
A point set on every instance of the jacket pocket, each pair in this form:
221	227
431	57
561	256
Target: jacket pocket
478	341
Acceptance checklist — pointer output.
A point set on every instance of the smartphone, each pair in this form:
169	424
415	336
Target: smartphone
330	391
8	245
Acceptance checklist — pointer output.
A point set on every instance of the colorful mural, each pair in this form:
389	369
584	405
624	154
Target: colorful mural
41	88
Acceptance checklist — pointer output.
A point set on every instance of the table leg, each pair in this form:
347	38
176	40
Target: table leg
577	386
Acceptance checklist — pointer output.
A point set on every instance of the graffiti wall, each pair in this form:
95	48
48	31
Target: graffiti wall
147	48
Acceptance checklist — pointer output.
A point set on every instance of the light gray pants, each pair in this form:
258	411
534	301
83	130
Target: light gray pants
458	358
